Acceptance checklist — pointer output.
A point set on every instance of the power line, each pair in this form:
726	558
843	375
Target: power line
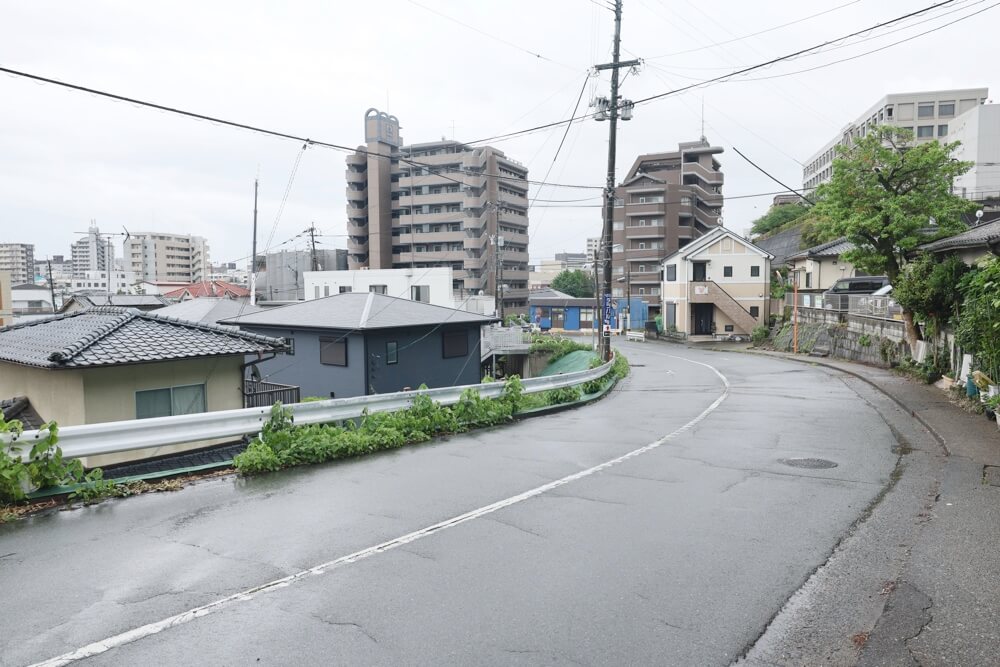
773	178
755	34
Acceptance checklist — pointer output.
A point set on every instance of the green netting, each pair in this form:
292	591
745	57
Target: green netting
578	360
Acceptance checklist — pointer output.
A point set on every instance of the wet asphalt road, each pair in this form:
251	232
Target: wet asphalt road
677	556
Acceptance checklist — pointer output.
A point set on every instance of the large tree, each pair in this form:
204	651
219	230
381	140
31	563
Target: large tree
778	218
884	192
576	283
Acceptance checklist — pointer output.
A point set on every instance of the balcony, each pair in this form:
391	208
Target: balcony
632	210
352	176
707	175
259	394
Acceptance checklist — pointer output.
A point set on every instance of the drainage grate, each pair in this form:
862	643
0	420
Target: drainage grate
808	463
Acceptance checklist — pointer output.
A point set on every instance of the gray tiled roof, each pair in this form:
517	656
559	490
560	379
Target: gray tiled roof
833	248
358	311
208	309
117	336
985	234
21	409
142	301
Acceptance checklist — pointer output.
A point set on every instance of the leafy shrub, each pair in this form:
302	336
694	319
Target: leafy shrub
759	334
557	345
563	395
864	340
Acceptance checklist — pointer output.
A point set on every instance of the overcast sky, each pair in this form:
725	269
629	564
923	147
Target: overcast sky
313	68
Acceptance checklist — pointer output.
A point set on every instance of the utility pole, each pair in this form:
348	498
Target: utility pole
609	192
314	264
253	251
52	287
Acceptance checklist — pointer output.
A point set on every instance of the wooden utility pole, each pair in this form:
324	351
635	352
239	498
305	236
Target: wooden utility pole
52	287
314	262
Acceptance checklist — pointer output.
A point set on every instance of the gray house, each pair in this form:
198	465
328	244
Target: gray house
360	343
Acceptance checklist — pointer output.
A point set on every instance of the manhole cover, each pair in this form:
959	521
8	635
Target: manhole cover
808	463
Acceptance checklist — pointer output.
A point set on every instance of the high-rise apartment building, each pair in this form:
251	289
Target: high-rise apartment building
18	259
666	201
593	245
172	257
439	204
92	253
927	115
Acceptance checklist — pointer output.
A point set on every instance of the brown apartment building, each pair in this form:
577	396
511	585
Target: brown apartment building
439	204
666	201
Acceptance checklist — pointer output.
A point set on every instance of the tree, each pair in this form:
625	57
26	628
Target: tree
778	217
979	325
929	288
884	191
576	283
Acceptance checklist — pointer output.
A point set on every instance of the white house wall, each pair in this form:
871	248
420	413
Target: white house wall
397	281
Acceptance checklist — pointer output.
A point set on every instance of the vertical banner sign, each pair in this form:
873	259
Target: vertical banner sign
607	309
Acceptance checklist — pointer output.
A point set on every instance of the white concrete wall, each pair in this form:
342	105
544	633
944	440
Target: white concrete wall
397	281
979	132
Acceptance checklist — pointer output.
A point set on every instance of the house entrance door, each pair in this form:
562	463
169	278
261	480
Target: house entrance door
702	315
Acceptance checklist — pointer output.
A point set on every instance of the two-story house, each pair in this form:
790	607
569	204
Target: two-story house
717	285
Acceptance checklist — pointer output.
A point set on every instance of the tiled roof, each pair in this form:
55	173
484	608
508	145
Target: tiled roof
782	244
550	297
833	248
208	310
208	288
141	301
21	409
358	310
986	234
117	336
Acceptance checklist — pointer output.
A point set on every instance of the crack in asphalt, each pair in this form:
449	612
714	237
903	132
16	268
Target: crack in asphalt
344	624
593	500
516	527
648	479
417	554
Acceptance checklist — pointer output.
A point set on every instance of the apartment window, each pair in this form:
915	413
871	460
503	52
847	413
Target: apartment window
943	130
421	293
754	311
946	109
454	344
378	289
391	352
925	110
671	273
642	245
727	272
642	291
169	401
888	112
619	202
333	351
924	131
905	111
754	271
344	289
642	268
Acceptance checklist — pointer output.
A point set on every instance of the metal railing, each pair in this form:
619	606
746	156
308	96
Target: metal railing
881	307
835	302
265	394
513	339
124	436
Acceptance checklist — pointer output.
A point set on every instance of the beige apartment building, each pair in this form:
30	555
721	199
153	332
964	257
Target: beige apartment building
667	201
927	114
445	208
718	285
156	256
18	259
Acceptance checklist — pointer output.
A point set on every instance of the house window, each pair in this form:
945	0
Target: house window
729	327
316	291
671	273
809	279
378	289
754	311
421	293
391	352
344	289
169	401
754	271
333	351
727	272
942	130
326	290
925	110
586	318
924	131
454	344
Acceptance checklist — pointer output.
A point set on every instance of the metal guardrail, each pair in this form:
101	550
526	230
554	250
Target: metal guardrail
122	436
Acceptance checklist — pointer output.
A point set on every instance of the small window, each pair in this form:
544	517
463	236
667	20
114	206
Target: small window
421	293
333	351
946	109
326	290
378	289
925	110
729	327
727	272
671	273
344	289
924	131
642	291
809	279
755	271
754	311
454	344
316	291
943	130
391	352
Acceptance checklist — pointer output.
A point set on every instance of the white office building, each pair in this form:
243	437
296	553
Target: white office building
979	131
428	285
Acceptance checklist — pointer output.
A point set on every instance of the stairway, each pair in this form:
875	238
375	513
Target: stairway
722	300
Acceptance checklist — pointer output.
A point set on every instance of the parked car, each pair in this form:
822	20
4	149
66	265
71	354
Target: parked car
858	285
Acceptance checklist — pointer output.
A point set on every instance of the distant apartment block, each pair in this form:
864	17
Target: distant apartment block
593	245
667	201
92	253
448	210
978	130
104	282
18	259
60	268
927	114
283	275
155	256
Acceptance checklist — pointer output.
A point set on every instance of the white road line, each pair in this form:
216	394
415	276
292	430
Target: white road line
104	645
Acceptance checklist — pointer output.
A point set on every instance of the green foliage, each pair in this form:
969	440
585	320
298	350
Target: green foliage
883	192
979	324
94	488
864	340
778	217
576	283
930	288
45	466
930	371
514	320
759	334
557	345
564	395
